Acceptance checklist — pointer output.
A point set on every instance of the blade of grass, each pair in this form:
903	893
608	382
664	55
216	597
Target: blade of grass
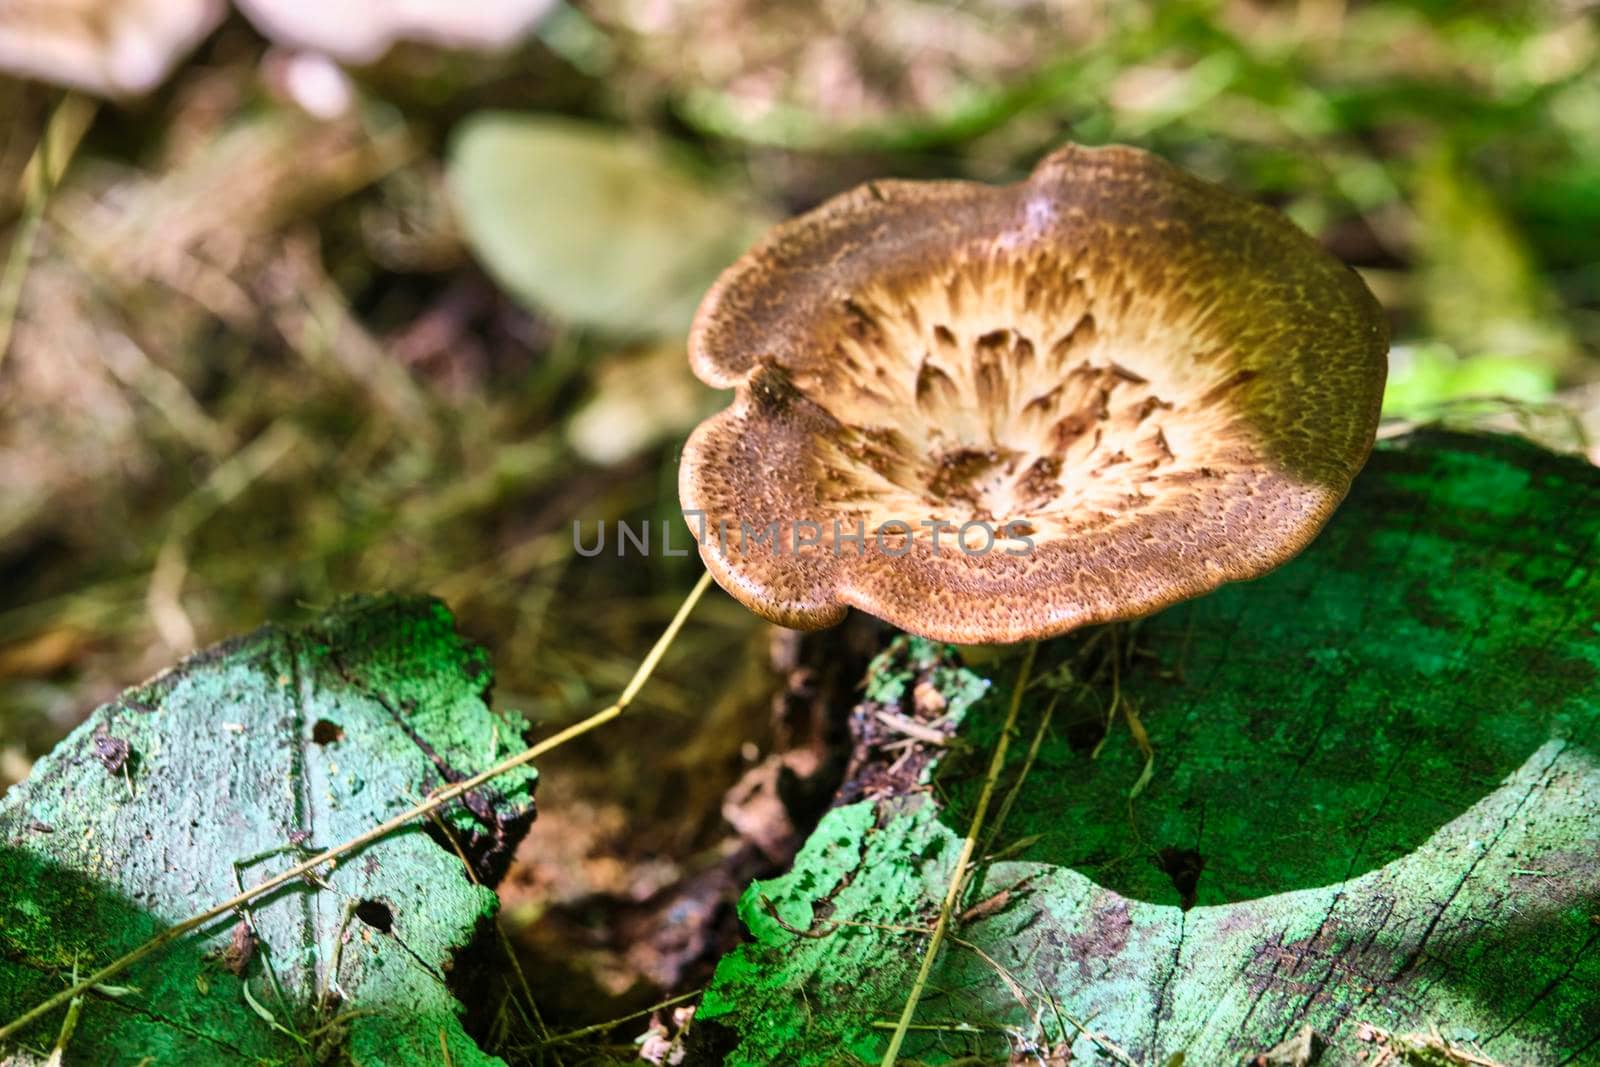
68	123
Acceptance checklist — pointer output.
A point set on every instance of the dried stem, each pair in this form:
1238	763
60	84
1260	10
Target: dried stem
574	1035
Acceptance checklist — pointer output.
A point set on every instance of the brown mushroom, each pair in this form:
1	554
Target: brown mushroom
1140	385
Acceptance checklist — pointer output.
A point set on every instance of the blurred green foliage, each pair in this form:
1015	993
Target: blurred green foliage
1449	151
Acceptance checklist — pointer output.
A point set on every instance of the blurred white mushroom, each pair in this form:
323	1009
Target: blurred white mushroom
361	31
104	47
316	84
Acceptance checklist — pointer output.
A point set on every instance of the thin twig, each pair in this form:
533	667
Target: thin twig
829	926
435	801
968	846
573	1035
1141	737
1116	692
230	478
957	1026
913	729
68	1026
1111	1048
17	265
1022	775
1010	980
332	991
250	925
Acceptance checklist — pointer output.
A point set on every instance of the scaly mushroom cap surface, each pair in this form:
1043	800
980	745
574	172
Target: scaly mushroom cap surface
1141	385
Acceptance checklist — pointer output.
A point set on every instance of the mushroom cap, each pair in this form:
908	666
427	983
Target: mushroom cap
1141	385
109	48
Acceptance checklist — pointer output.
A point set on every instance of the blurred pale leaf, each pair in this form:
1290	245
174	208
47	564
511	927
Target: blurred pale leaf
640	400
591	224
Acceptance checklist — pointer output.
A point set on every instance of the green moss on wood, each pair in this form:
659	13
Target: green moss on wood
305	735
1381	762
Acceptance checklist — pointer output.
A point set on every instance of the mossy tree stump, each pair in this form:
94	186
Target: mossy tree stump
1375	799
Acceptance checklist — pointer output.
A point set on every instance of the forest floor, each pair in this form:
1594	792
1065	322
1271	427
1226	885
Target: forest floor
260	359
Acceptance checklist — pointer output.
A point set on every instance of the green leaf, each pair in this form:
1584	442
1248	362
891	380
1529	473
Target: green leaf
592	224
1375	784
1425	377
302	736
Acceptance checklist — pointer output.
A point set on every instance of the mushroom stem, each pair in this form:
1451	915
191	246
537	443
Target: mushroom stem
958	877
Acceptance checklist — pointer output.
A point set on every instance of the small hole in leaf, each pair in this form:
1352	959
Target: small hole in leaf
326	732
376	914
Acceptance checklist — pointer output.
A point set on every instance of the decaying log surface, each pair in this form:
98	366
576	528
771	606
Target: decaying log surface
291	739
1375	799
